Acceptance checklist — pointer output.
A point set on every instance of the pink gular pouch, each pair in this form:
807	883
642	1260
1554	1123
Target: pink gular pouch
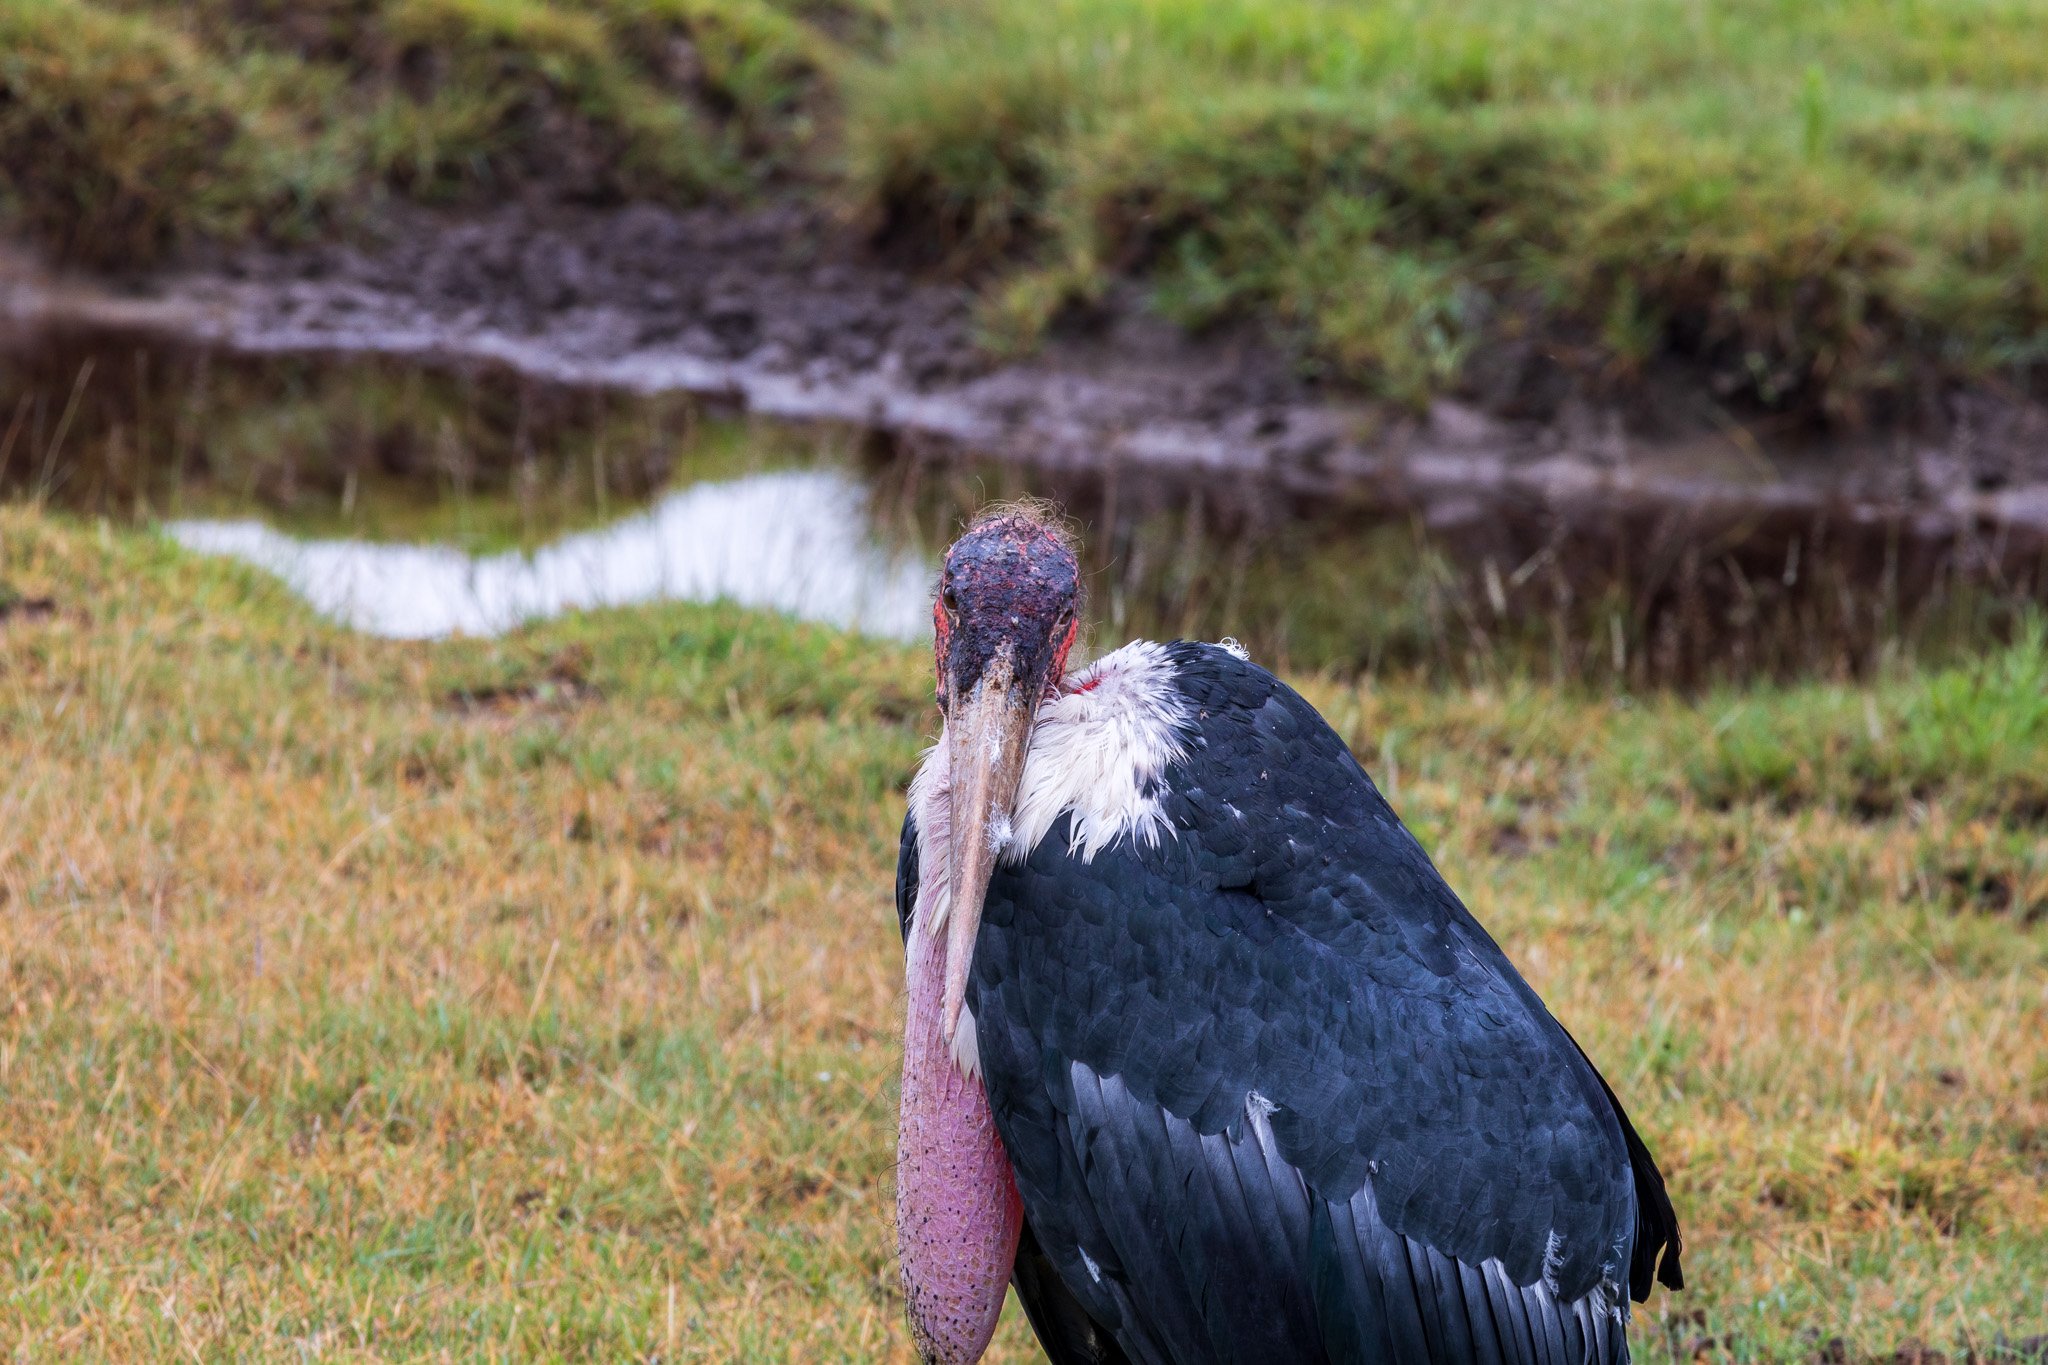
957	1211
1002	624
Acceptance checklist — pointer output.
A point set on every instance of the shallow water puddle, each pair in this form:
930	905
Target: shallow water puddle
796	541
418	498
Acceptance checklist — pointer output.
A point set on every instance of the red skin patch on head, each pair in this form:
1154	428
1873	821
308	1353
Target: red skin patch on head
942	631
1007	574
1059	657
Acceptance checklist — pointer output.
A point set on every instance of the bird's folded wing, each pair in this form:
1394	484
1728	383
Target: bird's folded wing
1206	1146
1268	1075
1211	1247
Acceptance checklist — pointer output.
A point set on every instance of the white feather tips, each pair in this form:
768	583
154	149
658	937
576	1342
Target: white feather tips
1553	1260
931	801
967	1047
1099	749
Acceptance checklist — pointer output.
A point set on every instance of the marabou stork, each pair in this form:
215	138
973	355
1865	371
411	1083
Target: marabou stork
1202	1055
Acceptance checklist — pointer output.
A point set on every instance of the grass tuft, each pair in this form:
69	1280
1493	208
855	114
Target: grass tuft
120	138
1791	201
1976	735
171	123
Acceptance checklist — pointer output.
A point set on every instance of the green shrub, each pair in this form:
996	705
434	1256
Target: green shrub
129	126
118	137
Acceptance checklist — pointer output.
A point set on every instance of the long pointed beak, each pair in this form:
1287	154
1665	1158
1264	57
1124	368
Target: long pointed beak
986	734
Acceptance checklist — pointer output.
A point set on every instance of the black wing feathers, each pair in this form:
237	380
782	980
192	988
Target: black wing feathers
1656	1221
1271	1093
1068	1334
906	875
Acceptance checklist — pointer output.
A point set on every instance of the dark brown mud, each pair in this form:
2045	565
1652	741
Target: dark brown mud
790	317
1686	534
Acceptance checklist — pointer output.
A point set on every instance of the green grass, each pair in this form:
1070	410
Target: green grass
1813	207
119	136
1817	202
129	127
1819	207
538	998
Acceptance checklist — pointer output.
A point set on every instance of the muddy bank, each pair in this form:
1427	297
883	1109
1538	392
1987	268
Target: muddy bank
786	316
1664	544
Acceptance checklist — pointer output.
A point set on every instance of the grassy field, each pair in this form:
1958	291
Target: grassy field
538	998
1819	207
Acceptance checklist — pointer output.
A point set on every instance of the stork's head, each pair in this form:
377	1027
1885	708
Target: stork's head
1006	606
1007	612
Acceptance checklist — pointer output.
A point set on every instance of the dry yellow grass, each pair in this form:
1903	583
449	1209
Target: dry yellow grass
538	998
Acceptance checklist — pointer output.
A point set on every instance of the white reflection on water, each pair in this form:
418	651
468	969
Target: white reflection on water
796	542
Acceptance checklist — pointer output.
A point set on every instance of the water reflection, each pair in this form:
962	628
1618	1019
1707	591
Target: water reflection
797	542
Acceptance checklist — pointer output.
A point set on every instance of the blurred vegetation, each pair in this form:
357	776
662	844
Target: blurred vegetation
379	999
129	127
1972	737
1821	207
1819	203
